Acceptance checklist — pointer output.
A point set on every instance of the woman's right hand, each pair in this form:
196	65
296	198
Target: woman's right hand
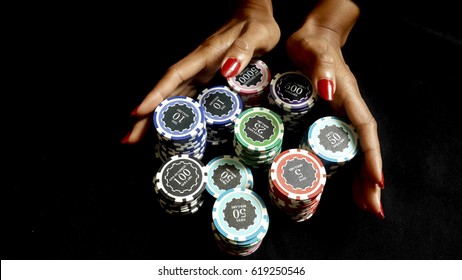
251	32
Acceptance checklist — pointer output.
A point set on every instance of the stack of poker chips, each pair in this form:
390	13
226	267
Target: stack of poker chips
292	97
252	83
334	140
221	108
258	136
179	184
296	182
240	221
226	172
181	128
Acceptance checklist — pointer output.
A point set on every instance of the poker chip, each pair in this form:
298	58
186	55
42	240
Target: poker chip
179	118
296	181
180	125
221	108
292	96
225	172
333	139
258	136
240	221
254	111
179	184
252	83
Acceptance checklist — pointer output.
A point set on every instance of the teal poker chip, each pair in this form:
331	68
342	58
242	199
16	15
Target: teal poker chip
233	248
239	214
225	172
333	139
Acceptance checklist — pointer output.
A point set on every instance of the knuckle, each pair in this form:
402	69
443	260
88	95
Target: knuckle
325	57
313	45
242	46
213	40
173	71
368	122
319	50
214	44
372	122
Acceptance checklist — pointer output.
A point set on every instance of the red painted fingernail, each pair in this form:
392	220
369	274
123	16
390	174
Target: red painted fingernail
381	215
326	89
382	183
125	139
230	68
135	111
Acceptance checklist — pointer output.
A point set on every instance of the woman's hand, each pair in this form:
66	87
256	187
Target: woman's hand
252	31
316	50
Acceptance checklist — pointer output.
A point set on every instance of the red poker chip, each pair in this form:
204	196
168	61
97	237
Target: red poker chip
298	175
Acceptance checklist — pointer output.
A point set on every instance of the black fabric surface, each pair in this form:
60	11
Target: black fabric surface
72	191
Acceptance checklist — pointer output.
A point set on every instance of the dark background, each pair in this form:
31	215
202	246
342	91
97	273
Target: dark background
75	72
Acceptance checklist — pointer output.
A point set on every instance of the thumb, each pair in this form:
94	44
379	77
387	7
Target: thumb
238	56
254	41
323	76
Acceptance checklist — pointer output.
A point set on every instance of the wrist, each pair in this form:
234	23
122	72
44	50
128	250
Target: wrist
332	19
314	28
255	6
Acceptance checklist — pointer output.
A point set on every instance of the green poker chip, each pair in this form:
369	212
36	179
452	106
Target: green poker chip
259	129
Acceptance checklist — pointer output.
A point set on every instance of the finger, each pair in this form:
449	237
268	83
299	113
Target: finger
358	193
189	91
239	55
370	147
244	48
138	131
367	194
322	73
371	194
171	83
366	126
317	60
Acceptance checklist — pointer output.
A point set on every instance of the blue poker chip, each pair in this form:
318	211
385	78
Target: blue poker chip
221	105
225	172
240	215
179	118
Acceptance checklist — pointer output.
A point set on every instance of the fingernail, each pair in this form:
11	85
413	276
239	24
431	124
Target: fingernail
382	182
381	215
326	89
135	111
230	68
125	139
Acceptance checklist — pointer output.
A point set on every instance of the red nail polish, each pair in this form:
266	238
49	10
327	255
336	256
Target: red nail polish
381	215
326	89
125	139
382	182
230	68
135	111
